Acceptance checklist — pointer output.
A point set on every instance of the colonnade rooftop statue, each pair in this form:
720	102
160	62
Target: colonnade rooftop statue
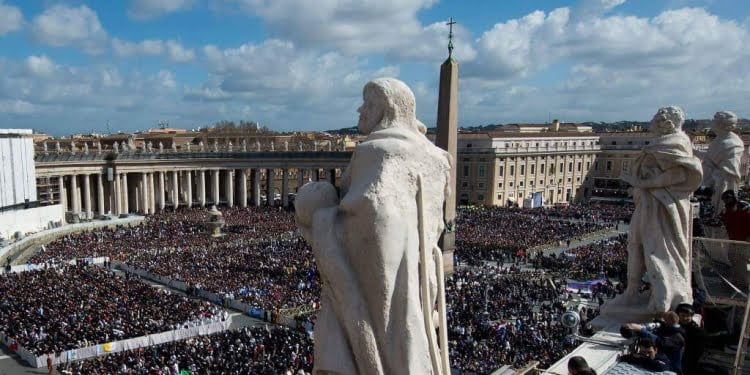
663	176
721	163
366	242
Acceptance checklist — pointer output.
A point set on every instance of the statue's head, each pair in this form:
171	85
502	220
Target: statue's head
667	120
388	103
724	122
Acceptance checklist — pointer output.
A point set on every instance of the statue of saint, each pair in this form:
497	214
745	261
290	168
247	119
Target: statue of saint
721	163
663	176
366	243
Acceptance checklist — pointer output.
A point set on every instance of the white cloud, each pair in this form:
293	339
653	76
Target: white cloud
177	53
15	107
353	26
61	26
123	48
171	49
40	66
149	9
11	18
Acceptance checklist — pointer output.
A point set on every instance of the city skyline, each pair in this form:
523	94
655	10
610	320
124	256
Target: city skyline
74	66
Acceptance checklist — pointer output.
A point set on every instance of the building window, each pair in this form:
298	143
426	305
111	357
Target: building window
541	182
501	171
588	165
625	165
480	197
541	168
579	166
500	185
464	184
523	170
562	167
510	184
481	171
468	145
570	167
609	165
500	197
533	168
551	181
466	171
520	184
569	179
512	170
480	186
578	179
614	143
596	165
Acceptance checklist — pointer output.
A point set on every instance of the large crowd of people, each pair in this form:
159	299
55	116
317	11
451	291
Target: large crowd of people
493	233
258	350
505	317
496	315
603	258
53	310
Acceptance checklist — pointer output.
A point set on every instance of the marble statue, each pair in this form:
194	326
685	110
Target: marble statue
73	147
244	145
229	146
721	162
663	177
188	146
216	145
99	147
116	147
44	147
150	146
299	145
58	149
286	145
315	146
161	147
201	146
85	148
366	242
257	145
174	146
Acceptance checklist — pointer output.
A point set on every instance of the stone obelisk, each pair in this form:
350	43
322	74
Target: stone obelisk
447	137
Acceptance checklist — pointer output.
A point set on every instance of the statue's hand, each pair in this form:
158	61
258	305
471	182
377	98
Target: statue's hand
630	179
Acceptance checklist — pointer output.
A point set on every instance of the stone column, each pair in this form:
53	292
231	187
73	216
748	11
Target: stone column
189	188
176	189
160	190
151	192
63	193
117	191
255	176
202	187
300	178
100	194
74	194
230	187
215	186
285	187
87	196
125	197
269	187
145	205
243	187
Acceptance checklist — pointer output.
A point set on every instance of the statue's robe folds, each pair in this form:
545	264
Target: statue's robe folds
724	154
658	238
367	252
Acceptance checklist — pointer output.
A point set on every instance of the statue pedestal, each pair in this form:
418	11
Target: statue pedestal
620	311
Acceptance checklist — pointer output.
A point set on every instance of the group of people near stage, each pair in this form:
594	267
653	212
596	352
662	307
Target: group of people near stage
258	350
490	234
602	258
53	310
506	317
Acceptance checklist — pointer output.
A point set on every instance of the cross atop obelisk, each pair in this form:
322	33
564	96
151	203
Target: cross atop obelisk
447	139
450	24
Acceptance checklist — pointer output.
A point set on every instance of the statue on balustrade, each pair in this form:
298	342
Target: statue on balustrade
722	160
663	177
366	242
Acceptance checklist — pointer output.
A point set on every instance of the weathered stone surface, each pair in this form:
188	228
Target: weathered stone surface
663	176
366	242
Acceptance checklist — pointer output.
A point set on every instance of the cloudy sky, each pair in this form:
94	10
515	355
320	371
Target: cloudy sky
74	66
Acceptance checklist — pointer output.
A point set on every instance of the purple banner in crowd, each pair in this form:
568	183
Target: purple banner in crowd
583	286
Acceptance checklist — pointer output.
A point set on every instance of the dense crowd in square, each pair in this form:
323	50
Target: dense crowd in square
58	309
262	261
